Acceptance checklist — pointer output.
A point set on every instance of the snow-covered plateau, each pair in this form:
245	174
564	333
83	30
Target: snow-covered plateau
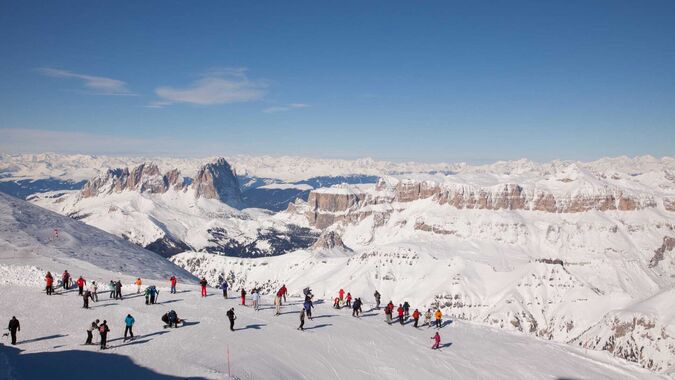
566	254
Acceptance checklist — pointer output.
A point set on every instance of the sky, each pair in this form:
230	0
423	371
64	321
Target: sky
470	81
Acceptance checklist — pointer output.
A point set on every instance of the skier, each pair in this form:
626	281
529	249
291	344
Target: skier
400	312
153	294
55	234
128	325
283	291
437	341
308	305
389	311
231	317
349	300
308	293
93	288
256	299
224	286
118	290
427	318
111	287
341	295
203	283
85	297
104	330
438	315
302	320
173	281
65	280
336	303
406	309
49	287
13	327
377	300
138	285
356	308
172	318
416	316
277	304
243	297
93	326
80	285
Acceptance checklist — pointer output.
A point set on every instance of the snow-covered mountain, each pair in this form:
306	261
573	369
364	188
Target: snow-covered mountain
169	213
575	252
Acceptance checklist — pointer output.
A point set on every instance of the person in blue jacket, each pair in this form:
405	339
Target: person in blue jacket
308	305
129	322
224	287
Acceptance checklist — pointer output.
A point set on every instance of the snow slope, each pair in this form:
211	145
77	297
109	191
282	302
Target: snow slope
27	237
334	346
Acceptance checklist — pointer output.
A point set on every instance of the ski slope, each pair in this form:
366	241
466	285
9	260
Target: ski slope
333	346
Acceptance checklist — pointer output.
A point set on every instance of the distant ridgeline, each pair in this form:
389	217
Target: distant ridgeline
26	187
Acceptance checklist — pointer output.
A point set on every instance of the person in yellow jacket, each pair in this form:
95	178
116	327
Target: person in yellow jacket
138	285
437	316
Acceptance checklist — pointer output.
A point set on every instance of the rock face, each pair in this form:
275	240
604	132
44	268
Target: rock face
218	181
348	204
330	240
145	178
215	180
659	253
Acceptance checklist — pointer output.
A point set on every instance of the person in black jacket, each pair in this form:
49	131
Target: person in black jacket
13	327
231	317
103	330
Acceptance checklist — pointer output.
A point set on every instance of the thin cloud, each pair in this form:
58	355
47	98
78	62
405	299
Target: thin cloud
216	87
285	108
100	85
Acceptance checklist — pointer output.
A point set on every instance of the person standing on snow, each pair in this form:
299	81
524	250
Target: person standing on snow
437	341
356	308
349	300
128	325
224	287
438	316
111	287
341	295
93	288
256	299
400	312
80	285
243	297
49	281
65	280
203	284
277	304
336	303
154	293
85	297
308	305
138	283
13	327
377	300
231	317
90	330
283	291
118	290
173	281
104	330
406	309
416	317
302	320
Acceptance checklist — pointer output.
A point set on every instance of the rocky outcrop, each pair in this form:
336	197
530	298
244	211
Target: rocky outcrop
330	240
669	204
659	253
217	180
145	178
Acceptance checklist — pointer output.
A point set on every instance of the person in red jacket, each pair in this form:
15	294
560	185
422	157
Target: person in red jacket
80	285
400	311
172	280
203	283
65	280
282	293
388	311
49	280
437	341
341	295
243	296
349	300
416	316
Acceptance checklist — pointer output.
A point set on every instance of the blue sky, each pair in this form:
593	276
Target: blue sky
428	81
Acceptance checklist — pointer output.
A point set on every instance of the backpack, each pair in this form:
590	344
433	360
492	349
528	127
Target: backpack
101	328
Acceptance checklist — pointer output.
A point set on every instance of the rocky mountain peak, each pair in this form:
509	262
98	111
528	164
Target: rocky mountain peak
217	180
